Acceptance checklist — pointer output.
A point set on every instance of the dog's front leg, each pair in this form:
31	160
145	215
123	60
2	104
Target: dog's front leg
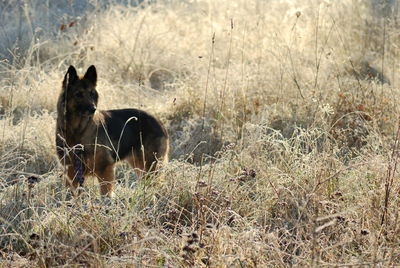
70	180
106	178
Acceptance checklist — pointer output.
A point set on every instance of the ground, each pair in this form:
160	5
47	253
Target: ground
284	126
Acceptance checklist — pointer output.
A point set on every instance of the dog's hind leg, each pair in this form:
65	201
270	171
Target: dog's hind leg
156	154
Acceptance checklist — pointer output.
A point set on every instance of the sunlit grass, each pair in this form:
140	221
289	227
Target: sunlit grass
283	137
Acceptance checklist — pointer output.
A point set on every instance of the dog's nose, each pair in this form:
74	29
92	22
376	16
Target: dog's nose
92	109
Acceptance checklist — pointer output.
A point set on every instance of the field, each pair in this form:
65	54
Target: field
284	125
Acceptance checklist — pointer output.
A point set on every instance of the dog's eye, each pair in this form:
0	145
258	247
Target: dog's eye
92	93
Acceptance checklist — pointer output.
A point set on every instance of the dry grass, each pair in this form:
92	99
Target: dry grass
284	146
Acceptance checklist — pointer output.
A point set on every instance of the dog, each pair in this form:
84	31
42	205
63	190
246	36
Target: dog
89	141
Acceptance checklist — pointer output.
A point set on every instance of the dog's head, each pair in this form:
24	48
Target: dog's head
79	94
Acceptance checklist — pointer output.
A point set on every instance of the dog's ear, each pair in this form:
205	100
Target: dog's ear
91	74
70	76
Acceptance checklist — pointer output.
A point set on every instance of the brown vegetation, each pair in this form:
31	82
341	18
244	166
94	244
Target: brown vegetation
298	167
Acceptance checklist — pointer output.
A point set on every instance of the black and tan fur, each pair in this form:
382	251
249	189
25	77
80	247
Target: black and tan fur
107	136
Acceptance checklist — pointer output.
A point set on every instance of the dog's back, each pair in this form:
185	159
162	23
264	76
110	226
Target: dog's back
136	135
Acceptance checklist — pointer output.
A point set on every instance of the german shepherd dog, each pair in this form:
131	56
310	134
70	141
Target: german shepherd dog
89	141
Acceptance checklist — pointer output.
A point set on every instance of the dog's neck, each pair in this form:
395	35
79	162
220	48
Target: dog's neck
72	126
78	124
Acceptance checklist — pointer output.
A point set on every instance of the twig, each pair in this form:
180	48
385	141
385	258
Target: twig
222	93
208	77
390	173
